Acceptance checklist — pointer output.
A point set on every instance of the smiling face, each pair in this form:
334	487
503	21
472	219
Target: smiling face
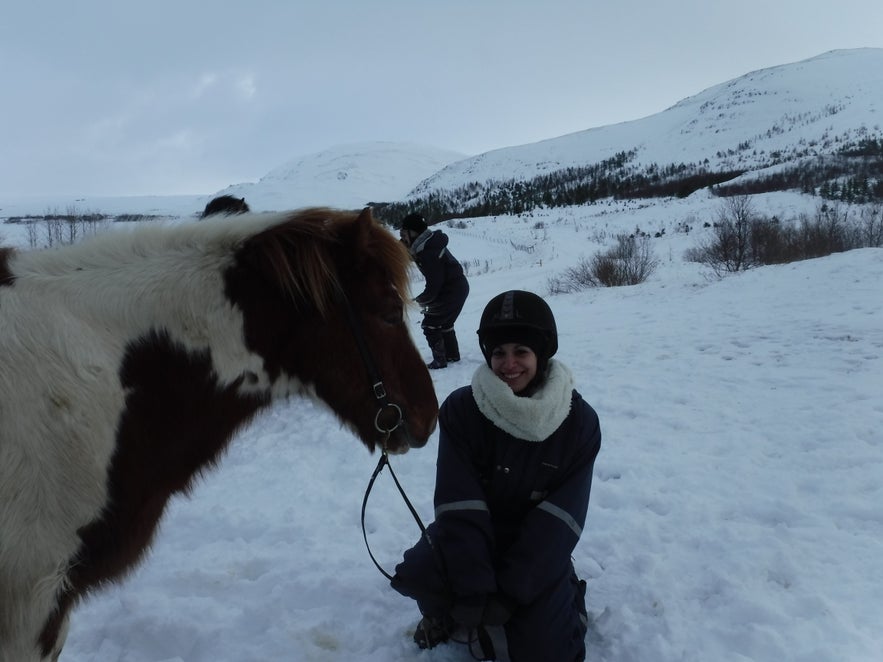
515	364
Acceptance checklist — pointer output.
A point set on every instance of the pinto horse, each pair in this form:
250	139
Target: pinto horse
128	362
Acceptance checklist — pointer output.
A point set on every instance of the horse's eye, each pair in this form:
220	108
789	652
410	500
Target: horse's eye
393	316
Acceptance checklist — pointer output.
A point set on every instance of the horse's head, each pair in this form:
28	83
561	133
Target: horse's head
323	296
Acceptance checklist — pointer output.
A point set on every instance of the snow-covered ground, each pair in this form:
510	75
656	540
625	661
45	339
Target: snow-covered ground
736	510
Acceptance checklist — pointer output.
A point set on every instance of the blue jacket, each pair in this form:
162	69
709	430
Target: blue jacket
508	512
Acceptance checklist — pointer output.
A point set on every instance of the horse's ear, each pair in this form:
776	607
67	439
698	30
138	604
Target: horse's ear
363	227
365	219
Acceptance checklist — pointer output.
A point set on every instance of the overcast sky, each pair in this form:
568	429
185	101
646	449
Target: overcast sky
106	97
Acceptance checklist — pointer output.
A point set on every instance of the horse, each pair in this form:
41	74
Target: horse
225	204
128	363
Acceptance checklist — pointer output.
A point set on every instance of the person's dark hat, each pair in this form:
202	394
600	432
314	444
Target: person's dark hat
414	223
520	317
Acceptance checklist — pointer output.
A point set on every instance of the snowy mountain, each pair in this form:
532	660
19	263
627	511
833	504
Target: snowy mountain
758	120
348	176
754	123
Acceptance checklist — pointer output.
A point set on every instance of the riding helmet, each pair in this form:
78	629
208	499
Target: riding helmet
521	317
414	223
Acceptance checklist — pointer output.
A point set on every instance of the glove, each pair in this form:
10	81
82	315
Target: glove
498	609
468	612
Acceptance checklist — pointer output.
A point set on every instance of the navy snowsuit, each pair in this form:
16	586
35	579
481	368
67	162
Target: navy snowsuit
443	295
508	514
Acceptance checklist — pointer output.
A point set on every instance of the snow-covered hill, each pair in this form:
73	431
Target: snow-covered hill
348	176
769	116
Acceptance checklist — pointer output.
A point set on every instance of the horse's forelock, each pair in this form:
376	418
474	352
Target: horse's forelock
297	253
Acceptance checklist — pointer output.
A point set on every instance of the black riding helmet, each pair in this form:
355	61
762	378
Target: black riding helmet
520	317
414	223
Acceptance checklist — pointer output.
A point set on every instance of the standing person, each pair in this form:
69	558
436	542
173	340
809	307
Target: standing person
515	458
225	204
445	292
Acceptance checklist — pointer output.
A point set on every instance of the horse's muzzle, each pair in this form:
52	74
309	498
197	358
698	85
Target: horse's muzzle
418	443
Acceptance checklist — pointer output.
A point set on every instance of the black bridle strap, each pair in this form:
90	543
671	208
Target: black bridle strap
377	387
384	462
378	390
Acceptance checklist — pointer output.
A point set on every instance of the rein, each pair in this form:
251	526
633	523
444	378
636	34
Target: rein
384	462
379	392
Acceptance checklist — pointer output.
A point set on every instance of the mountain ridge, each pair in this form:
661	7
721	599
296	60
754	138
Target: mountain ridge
769	115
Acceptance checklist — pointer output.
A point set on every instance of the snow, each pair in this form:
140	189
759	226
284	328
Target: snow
735	513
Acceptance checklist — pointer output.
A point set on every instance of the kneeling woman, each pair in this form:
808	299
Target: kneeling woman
515	458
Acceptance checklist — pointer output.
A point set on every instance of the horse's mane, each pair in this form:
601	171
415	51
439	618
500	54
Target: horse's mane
296	252
295	249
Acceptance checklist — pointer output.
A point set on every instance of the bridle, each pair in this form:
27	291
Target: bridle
378	390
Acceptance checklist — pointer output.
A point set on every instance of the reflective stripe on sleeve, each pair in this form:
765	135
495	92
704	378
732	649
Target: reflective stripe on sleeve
563	515
474	504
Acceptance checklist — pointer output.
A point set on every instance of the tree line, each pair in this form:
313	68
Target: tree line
854	174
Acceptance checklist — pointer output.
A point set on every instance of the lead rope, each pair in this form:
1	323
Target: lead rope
472	633
384	462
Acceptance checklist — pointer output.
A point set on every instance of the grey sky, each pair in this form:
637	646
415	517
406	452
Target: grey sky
164	97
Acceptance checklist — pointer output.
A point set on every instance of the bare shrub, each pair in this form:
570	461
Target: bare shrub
31	227
65	228
630	262
633	261
727	251
741	239
871	227
573	279
826	233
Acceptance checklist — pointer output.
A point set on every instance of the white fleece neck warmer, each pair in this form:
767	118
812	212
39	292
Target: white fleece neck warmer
531	418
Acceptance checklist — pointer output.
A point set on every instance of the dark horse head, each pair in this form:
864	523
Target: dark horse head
225	204
312	291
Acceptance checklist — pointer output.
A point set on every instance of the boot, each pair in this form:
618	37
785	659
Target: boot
452	347
431	631
437	346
